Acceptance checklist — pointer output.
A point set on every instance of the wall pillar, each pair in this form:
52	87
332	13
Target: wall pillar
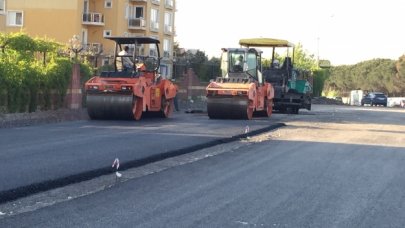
74	93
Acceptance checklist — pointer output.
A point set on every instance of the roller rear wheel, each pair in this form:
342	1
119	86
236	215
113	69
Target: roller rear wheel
269	107
249	113
137	107
167	107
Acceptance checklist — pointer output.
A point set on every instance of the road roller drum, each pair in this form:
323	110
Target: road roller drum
110	106
228	108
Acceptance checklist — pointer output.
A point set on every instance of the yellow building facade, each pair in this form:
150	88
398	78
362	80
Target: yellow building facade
92	21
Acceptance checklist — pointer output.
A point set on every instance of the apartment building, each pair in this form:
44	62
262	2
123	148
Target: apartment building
92	21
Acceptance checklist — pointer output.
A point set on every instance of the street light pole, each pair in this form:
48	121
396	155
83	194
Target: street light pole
318	50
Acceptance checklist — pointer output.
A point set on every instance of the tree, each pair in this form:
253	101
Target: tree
399	79
197	60
381	75
303	60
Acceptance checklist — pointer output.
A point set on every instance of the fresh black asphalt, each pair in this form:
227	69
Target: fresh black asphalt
39	158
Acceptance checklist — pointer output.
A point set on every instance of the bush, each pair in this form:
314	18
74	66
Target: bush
32	73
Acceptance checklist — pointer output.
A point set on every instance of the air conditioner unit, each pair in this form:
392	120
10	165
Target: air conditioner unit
136	22
96	47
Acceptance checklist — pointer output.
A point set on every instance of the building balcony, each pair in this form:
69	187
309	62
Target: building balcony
136	23
93	19
156	2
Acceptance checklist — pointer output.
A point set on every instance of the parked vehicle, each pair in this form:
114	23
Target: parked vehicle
374	98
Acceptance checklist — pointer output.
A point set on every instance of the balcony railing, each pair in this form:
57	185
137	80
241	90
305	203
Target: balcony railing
154	26
168	29
93	19
166	54
136	23
93	48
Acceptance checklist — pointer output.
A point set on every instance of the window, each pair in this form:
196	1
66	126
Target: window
166	48
164	71
107	33
2	6
168	22
154	20
133	12
252	64
135	16
138	12
84	36
108	4
106	61
85	6
153	49
140	50
14	18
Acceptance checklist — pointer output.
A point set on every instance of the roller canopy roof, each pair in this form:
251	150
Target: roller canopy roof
133	40
265	42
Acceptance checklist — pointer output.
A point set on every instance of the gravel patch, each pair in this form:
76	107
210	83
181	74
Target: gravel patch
10	120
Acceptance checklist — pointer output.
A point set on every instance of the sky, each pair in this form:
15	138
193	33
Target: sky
341	31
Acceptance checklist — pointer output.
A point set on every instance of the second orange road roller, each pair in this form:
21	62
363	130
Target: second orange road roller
240	92
134	87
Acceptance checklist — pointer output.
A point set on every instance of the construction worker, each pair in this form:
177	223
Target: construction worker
276	64
238	66
124	63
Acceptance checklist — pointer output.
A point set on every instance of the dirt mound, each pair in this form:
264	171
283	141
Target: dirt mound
326	101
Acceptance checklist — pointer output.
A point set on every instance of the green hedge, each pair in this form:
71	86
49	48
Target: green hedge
33	73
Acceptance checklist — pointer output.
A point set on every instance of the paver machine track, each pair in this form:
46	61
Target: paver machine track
129	93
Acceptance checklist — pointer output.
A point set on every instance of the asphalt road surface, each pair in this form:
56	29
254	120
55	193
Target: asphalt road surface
335	166
42	157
